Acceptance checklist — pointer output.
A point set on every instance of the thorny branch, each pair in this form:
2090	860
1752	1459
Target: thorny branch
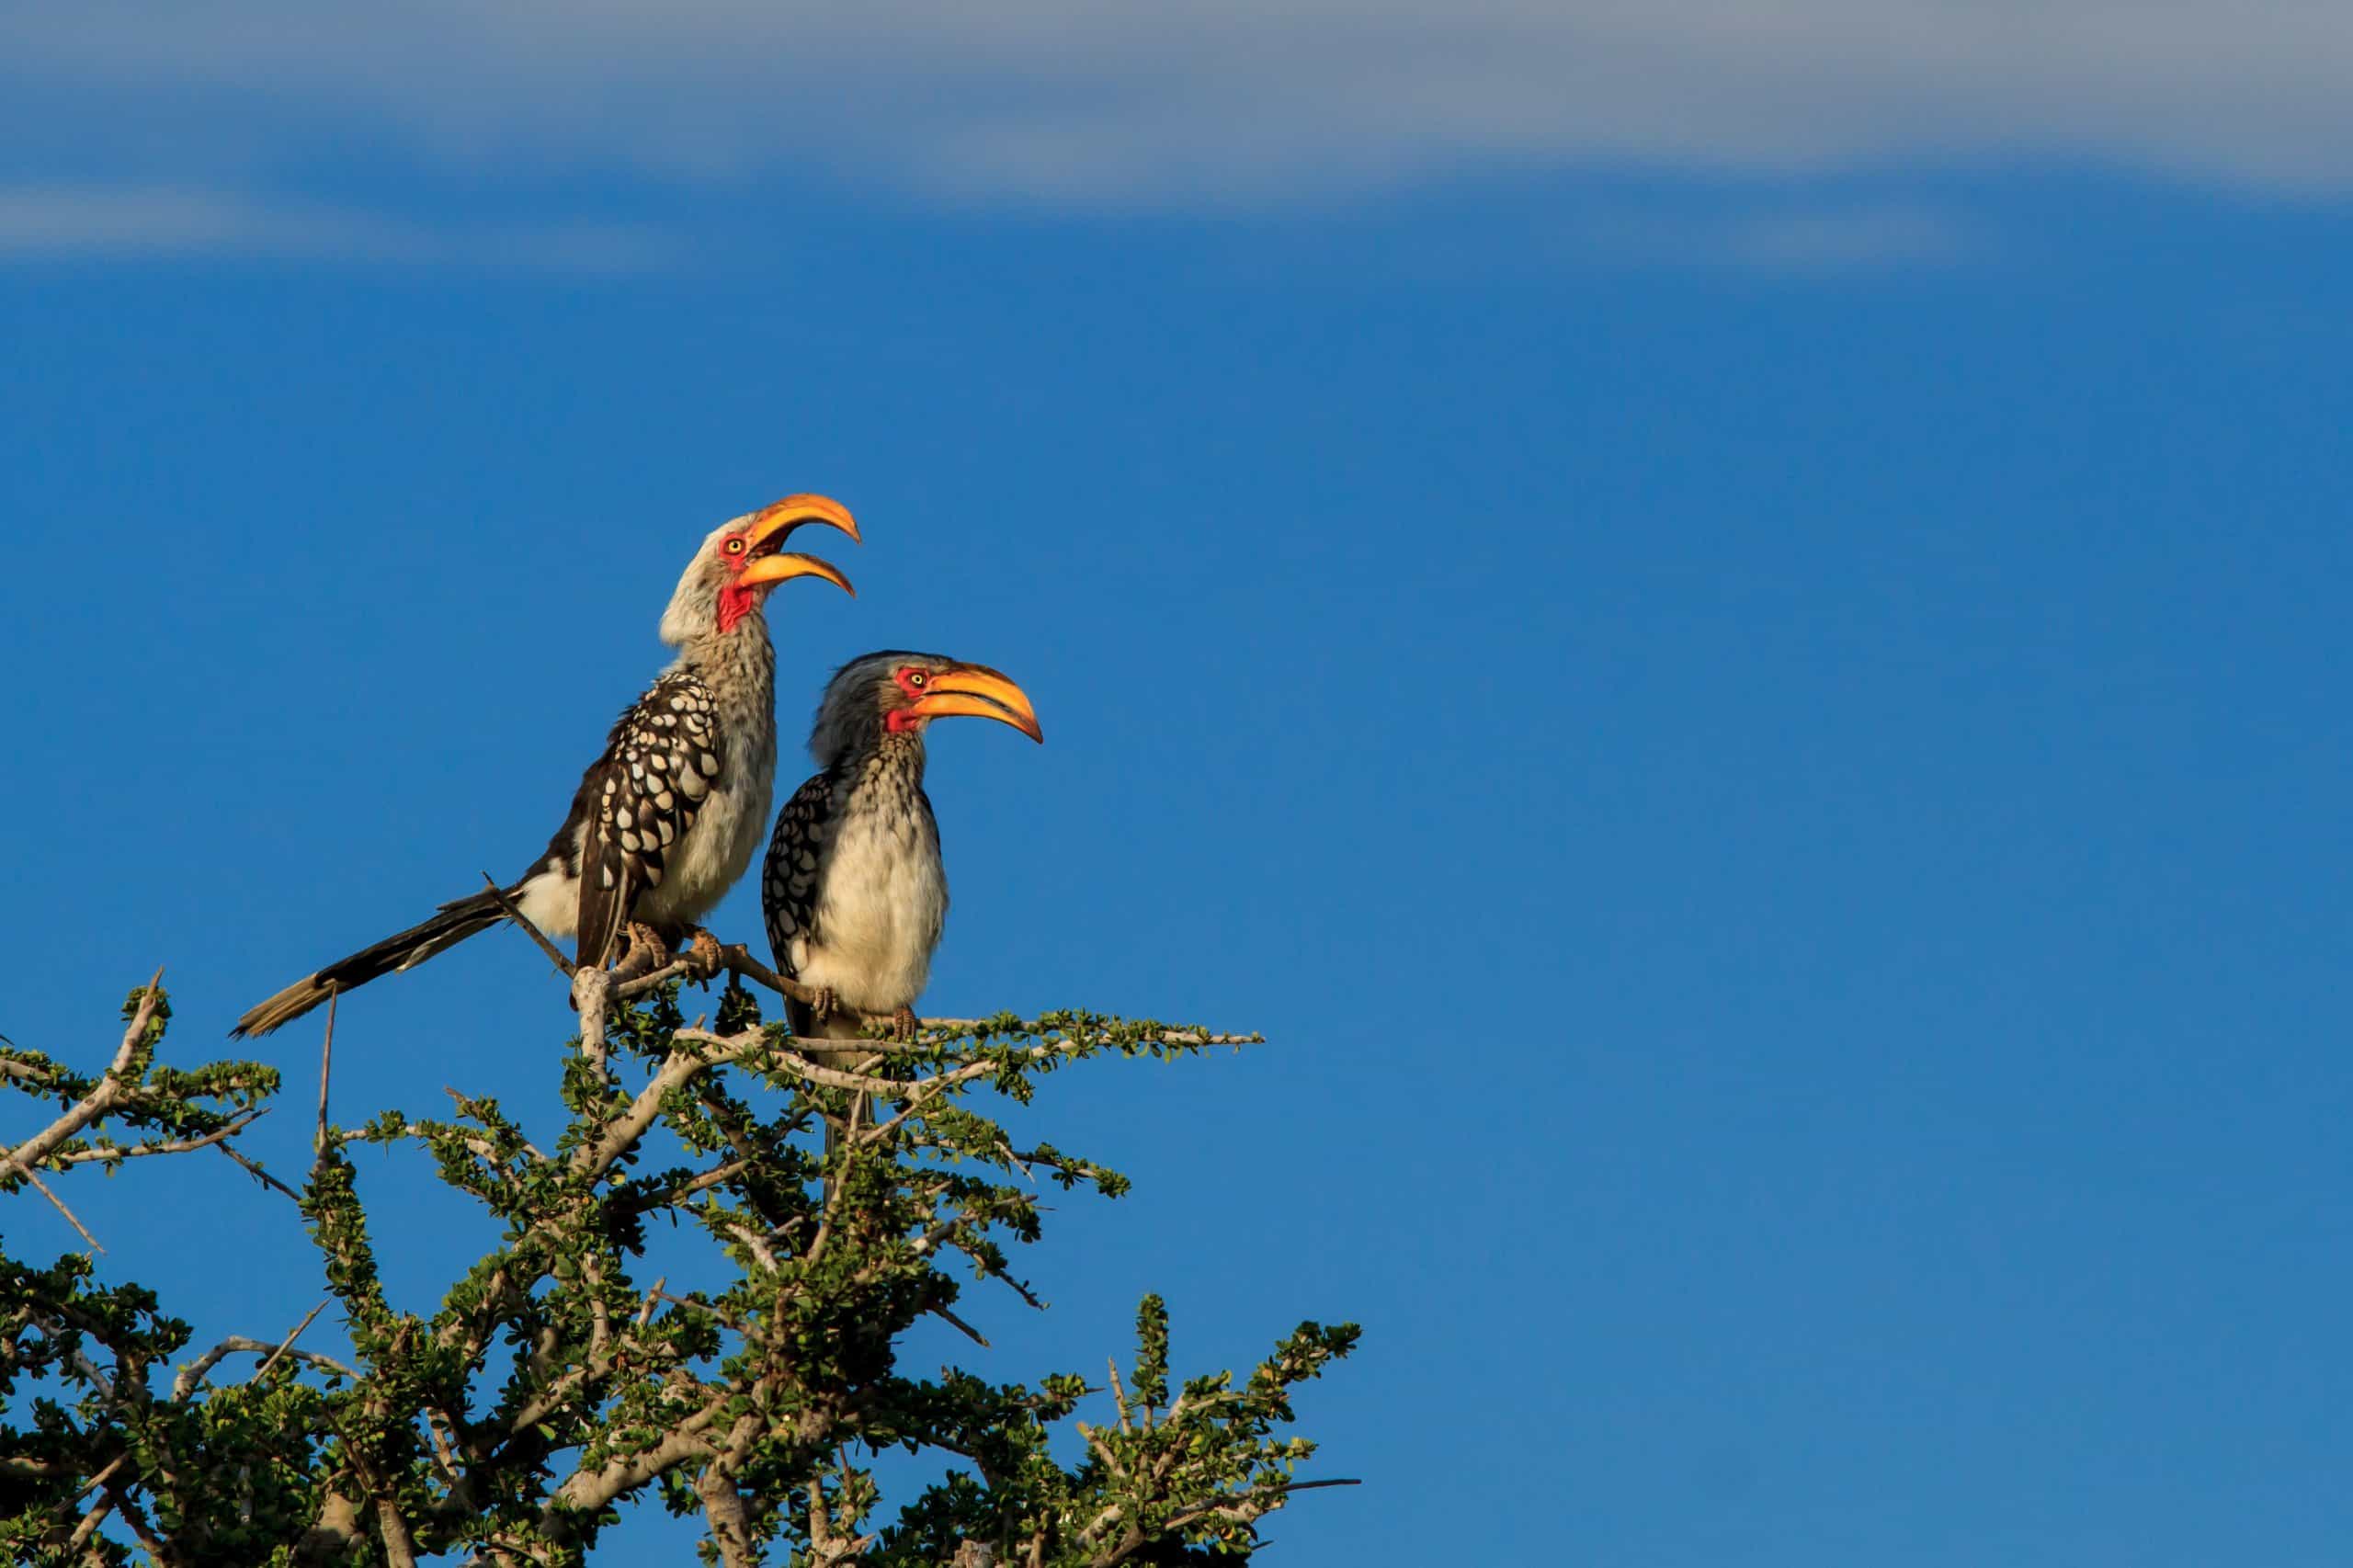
112	1087
236	1125
192	1376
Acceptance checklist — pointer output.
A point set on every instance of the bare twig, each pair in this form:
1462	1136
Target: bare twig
625	1130
555	953
669	1195
255	1168
97	1514
966	1329
194	1373
754	1243
1254	1504
127	1506
287	1343
326	1065
1110	1460
83	1368
1120	1396
688	1302
453	1475
34	1176
102	1477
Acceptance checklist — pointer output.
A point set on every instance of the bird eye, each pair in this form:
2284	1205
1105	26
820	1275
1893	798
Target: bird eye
915	678
734	547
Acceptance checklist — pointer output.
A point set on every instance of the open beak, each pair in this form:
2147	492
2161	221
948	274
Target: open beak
981	693
784	564
772	524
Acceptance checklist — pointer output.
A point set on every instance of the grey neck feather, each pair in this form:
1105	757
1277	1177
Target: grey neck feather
739	666
880	756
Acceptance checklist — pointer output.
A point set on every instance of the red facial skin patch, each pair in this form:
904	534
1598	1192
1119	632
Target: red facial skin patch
911	682
736	602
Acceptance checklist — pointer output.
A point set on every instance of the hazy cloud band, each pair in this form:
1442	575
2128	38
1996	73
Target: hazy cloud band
1209	100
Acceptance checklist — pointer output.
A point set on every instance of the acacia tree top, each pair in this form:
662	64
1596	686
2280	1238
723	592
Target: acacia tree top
555	1383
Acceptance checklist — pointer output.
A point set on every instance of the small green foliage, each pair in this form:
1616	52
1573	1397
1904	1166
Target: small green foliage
554	1382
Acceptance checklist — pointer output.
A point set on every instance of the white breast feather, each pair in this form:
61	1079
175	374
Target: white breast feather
879	915
712	856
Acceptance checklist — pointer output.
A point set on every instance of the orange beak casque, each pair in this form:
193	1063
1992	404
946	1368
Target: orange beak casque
775	524
979	692
751	566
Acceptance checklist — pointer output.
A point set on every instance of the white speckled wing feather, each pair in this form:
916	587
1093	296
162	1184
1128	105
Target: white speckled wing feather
660	763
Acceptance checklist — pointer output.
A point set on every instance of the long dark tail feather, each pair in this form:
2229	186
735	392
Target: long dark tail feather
452	924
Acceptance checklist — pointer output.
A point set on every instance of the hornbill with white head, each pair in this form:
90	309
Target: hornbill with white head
666	820
853	888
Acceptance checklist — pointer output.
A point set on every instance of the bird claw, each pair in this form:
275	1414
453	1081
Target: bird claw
821	1003
642	949
903	1024
704	957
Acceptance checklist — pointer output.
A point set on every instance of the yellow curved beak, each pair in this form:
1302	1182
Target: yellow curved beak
776	522
980	693
785	565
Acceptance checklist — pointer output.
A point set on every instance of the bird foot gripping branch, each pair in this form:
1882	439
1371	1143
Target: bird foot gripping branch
644	949
705	956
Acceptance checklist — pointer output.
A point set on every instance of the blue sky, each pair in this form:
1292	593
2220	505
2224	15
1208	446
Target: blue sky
1732	638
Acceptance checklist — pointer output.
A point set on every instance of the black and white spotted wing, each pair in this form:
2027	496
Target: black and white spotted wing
639	800
791	876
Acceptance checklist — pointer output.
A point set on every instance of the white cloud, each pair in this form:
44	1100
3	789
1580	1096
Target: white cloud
1213	99
49	221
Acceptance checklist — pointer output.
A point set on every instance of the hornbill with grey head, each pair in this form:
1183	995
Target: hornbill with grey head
853	888
666	820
